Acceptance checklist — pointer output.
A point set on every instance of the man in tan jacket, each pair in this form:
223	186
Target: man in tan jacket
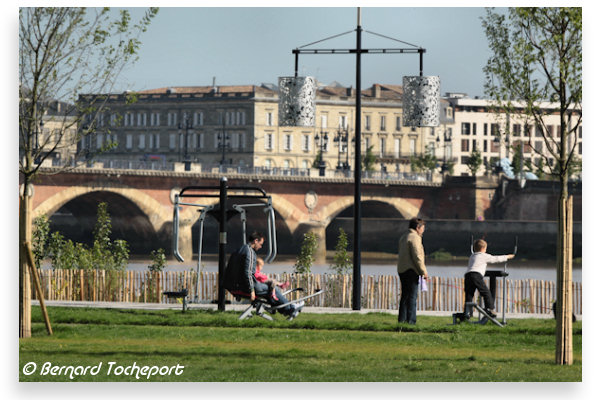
411	265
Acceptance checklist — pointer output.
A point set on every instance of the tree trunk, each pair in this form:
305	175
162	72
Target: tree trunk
24	279
564	299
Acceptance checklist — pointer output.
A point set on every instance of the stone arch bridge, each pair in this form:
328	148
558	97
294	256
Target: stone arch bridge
143	200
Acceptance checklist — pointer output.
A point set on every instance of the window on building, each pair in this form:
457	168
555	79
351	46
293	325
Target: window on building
448	112
150	141
99	140
324	121
485	146
485	129
128	141
474	128
199	118
269	118
464	145
464	160
551	130
580	148
381	147
382	123
495	129
142	141
539	145
269	141
413	147
398	123
580	132
527	131
516	128
474	145
539	131
201	141
367	122
465	128
172	141
286	164
343	122
287	142
305	142
269	163
397	148
305	164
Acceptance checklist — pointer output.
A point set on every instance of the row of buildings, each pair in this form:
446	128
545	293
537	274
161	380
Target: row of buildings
237	126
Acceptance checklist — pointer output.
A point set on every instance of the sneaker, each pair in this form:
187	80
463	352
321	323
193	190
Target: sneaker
491	313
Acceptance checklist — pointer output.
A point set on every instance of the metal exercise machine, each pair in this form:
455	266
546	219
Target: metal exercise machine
222	213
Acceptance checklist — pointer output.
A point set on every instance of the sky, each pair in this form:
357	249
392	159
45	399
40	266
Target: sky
189	46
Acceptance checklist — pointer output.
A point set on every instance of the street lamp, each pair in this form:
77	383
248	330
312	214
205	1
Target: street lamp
341	138
223	145
322	143
421	105
447	141
187	125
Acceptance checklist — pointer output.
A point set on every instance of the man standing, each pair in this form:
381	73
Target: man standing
240	279
411	265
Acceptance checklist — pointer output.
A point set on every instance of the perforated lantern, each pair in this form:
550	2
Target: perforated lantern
421	100
297	101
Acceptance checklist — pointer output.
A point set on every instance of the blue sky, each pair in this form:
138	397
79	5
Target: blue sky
191	45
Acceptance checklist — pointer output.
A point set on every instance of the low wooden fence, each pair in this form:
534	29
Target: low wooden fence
378	292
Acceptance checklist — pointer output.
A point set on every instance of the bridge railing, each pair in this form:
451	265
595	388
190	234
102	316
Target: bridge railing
377	292
162	165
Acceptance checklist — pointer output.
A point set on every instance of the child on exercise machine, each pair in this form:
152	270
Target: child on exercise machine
474	276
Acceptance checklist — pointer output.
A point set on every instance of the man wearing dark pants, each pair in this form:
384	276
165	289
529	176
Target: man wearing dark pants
411	265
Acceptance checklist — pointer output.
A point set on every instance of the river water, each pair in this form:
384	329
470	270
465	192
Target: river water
542	270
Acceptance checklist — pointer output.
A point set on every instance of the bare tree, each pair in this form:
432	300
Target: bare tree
534	71
62	53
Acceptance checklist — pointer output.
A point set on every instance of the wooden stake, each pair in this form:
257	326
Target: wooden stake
36	282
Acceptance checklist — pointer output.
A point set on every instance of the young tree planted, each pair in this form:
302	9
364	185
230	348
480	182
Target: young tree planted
64	52
535	70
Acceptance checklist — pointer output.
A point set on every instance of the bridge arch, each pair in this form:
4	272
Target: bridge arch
404	207
151	208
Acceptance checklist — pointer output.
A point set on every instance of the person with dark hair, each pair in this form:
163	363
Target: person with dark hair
411	265
474	276
240	277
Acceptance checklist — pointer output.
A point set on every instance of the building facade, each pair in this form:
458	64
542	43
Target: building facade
477	127
237	126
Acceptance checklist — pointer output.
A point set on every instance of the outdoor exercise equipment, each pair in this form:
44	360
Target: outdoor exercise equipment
222	213
493	275
260	304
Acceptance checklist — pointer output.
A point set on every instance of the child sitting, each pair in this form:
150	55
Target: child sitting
263	278
475	273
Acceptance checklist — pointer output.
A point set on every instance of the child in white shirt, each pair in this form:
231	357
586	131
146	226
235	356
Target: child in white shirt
476	271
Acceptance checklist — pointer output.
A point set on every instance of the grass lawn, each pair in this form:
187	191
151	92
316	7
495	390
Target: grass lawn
216	347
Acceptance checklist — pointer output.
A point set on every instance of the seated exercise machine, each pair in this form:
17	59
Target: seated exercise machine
223	213
484	317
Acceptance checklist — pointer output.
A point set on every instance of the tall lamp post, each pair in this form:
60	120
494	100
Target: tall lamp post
421	108
187	125
341	138
322	140
223	144
447	141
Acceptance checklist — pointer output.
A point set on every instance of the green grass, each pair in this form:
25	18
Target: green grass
214	346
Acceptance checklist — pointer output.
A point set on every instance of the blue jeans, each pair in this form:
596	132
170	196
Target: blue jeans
262	290
409	282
